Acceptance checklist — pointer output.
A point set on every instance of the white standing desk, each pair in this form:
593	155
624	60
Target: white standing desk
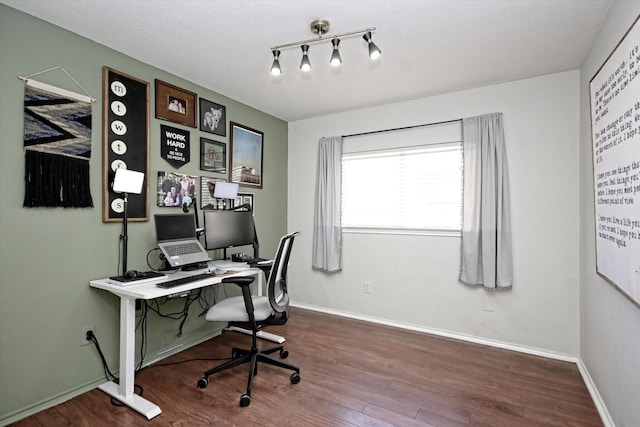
149	290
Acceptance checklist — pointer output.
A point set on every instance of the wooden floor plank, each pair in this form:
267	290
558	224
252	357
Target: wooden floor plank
353	373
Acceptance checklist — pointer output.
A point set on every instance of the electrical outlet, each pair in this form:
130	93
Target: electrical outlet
366	287
489	303
84	340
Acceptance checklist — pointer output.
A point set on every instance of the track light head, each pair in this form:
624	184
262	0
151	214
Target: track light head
305	64
335	56
275	67
374	51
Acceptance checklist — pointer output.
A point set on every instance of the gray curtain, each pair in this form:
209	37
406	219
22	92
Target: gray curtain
486	220
327	231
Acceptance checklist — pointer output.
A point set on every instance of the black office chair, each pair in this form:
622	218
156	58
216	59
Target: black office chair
255	313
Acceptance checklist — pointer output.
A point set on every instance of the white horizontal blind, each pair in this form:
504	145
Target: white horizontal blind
416	186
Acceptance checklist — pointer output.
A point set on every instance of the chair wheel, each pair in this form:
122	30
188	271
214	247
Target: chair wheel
245	400
295	378
284	354
202	382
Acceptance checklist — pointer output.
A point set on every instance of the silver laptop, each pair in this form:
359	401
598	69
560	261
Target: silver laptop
177	239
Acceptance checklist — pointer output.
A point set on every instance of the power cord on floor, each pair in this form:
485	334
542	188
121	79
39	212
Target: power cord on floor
107	372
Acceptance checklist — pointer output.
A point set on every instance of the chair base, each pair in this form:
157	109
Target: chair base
253	356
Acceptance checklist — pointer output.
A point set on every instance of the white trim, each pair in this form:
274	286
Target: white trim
593	391
595	395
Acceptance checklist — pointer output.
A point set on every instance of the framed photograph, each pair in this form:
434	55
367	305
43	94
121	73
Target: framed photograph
213	117
246	155
213	156
176	189
244	199
175	104
207	187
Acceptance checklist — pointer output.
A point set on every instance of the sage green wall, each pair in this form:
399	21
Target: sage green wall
48	255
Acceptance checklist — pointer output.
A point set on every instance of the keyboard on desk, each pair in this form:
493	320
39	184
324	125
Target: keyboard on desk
184	280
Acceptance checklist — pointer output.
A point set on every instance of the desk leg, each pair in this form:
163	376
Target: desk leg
261	334
124	391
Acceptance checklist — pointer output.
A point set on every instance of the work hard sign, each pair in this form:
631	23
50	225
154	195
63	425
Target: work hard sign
174	144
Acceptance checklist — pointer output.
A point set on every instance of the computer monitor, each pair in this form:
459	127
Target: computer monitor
226	229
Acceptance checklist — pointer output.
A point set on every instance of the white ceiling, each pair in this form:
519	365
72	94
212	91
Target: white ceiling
429	46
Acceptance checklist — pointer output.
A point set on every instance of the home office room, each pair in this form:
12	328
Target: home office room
385	324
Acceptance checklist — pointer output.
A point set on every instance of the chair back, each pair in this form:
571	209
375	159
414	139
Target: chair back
277	285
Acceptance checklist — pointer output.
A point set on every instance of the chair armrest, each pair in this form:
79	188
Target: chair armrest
240	281
244	282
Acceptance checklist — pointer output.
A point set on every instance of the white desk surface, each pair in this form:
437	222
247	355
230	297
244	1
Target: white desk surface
149	289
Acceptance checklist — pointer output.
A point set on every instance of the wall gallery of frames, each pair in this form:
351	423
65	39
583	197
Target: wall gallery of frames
126	145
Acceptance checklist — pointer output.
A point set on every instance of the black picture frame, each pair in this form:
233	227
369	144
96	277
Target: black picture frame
213	156
213	117
207	187
244	199
246	158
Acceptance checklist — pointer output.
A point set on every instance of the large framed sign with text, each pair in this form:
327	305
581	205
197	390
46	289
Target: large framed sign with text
125	143
615	126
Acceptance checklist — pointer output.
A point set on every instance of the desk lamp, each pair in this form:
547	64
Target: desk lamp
126	182
225	190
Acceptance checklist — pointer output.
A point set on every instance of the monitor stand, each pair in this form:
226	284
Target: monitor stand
196	266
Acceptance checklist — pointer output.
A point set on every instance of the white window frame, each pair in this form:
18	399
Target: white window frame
392	153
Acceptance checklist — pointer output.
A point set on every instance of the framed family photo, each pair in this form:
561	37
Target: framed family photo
175	104
213	156
213	117
176	189
246	156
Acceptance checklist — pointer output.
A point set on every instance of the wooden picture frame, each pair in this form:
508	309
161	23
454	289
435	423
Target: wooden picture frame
125	143
615	138
213	156
175	104
246	156
213	117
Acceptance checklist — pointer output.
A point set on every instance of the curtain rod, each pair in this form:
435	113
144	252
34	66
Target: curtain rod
402	128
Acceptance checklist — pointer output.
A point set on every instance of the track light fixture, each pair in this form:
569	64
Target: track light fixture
374	51
335	56
305	64
275	67
321	27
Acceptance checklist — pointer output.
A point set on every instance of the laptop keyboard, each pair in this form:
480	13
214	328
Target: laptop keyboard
182	249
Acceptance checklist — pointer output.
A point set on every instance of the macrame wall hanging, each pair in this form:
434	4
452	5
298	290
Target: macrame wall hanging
57	143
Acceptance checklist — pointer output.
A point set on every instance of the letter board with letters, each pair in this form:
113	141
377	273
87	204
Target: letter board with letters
125	142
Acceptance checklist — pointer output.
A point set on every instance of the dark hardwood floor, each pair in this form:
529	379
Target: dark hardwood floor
353	374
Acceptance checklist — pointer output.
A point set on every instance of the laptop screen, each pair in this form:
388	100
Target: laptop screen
175	227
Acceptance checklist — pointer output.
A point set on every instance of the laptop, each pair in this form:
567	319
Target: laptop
176	237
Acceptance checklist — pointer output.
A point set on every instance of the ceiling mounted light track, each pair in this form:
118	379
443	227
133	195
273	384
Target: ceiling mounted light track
321	27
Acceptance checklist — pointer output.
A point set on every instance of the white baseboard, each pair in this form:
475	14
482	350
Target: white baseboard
593	391
595	395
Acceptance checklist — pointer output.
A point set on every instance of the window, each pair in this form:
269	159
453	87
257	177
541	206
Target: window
411	189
